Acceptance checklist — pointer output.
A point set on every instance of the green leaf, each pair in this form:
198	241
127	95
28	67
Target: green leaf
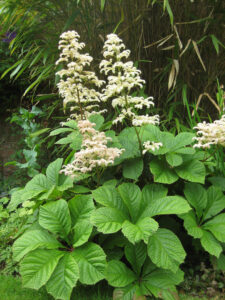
162	172
159	279
217	227
82	232
174	159
165	250
129	141
39	184
210	244
131	195
118	275
55	217
39	132
52	171
182	139
91	260
102	4
218	182
38	266
216	202
81	208
187	150
215	42
71	123
125	293
150	133
221	262
80	189
64	278
74	139
151	192
60	130
196	196
133	168
167	206
32	240
142	230
191	225
107	219
108	196
65	183
20	196
97	119
136	255
192	170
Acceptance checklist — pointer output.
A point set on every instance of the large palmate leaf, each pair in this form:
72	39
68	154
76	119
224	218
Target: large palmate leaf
118	275
82	231
131	195
165	250
81	207
38	266
192	170
108	196
167	205
162	173
210	244
136	255
32	240
191	225
91	260
196	196
217	227
64	278
142	230
108	219
55	217
133	168
216	202
52	171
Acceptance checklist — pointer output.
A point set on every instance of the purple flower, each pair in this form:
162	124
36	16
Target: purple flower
9	36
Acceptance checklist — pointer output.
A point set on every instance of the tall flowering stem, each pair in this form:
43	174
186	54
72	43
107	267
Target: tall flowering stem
123	78
77	85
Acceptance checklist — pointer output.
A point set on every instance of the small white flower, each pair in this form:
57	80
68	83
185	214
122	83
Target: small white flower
94	151
210	133
151	146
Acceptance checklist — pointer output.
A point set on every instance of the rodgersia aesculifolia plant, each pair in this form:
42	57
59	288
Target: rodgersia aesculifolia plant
88	229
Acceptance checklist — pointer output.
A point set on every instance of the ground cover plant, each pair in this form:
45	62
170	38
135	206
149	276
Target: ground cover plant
105	211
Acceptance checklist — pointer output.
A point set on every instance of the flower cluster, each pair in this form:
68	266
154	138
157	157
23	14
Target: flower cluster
123	78
94	151
151	146
77	85
210	133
